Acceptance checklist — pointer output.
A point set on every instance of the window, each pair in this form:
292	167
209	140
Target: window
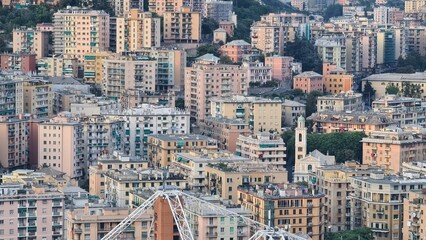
231	229
222	229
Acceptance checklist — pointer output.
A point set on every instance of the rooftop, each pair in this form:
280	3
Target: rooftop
274	191
291	103
180	137
398	77
309	74
244	99
352	117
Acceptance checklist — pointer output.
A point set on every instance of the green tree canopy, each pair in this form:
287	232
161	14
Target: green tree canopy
391	89
311	102
411	90
334	10
208	48
368	93
304	51
360	233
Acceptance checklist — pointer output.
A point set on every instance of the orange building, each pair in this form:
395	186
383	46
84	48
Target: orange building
235	50
281	67
308	82
336	80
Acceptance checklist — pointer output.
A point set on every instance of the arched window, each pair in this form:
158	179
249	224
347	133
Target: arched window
300	137
309	168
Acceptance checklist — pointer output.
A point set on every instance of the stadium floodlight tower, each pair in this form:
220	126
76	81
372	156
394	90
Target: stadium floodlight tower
177	200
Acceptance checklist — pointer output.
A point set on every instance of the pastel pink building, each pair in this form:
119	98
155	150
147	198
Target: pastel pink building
235	50
308	82
281	67
19	61
207	78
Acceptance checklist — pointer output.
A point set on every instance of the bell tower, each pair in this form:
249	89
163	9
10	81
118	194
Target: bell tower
300	140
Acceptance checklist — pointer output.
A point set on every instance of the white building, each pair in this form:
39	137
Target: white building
258	72
94	106
291	110
342	102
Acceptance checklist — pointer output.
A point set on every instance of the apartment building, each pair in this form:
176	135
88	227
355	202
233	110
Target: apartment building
223	179
257	72
171	67
338	81
182	26
226	131
94	222
262	114
160	7
11	97
128	72
219	35
380	81
62	99
329	122
14	145
380	200
31	212
193	164
123	7
308	82
79	31
23	62
267	37
295	209
90	106
413	6
263	148
148	119
218	10
162	147
136	30
341	102
119	183
392	146
57	66
291	110
332	49
235	50
135	97
93	62
207	78
387	15
335	182
281	67
31	40
38	98
404	110
61	145
414	208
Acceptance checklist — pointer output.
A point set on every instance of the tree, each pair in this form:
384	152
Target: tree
304	51
363	233
226	60
391	89
208	25
269	84
368	93
180	103
411	90
311	102
333	10
208	48
298	92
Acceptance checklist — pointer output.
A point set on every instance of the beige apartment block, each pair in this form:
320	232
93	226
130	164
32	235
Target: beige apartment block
267	37
291	110
162	147
404	110
57	66
263	148
31	41
392	146
94	222
61	145
223	179
414	210
93	62
329	122
128	72
111	161
263	115
123	7
413	6
160	7
341	102
295	209
207	78
182	26
79	31
226	131
38	98
335	182
31	211
193	164
14	143
378	203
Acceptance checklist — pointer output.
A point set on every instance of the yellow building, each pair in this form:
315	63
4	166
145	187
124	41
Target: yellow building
335	182
162	6
93	66
38	98
162	147
295	209
58	66
414	213
182	26
95	222
223	179
262	114
413	6
377	203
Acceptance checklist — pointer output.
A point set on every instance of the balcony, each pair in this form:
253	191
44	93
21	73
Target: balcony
211	234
